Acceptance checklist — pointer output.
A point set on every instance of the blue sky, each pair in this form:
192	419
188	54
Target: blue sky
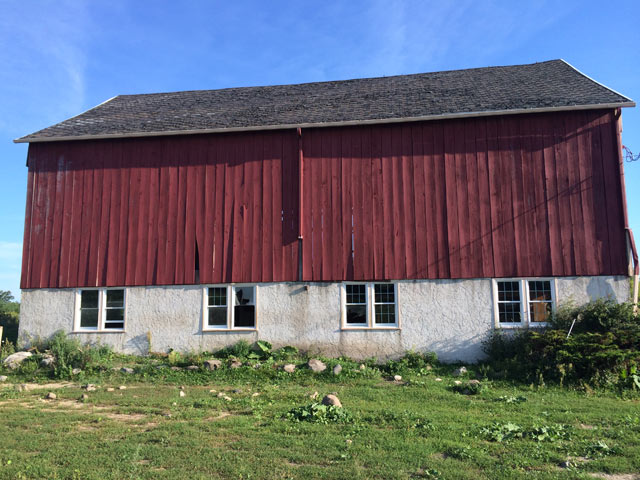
60	58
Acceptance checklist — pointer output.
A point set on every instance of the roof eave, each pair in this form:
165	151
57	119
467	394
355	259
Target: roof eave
445	116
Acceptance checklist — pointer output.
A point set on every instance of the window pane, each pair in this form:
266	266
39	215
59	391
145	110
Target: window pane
89	318
540	290
244	295
540	311
384	293
356	293
217	317
115	314
245	316
357	314
385	314
89	298
115	298
509	291
114	325
509	312
218	296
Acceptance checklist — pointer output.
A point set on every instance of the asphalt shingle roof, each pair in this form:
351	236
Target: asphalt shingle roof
477	91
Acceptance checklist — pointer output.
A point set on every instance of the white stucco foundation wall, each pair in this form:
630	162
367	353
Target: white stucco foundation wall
449	317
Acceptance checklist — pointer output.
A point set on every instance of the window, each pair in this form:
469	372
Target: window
523	302
100	310
369	305
218	315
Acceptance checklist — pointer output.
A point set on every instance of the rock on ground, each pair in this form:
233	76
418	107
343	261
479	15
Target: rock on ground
90	387
317	365
51	396
182	394
3	378
213	364
76	371
14	360
175	369
289	368
458	372
47	360
193	367
337	369
236	364
126	370
397	378
331	400
457	382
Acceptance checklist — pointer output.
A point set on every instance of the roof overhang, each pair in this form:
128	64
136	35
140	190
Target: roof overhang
348	123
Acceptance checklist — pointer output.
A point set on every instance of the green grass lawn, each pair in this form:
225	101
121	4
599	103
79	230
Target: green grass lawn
416	428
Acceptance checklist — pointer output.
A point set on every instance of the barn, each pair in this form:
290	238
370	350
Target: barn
364	217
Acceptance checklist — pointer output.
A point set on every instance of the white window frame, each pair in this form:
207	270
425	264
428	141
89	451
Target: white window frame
525	314
102	311
229	327
371	305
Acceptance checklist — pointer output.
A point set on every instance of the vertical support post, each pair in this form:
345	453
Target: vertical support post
300	203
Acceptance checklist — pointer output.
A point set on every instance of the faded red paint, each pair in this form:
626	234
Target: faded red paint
512	196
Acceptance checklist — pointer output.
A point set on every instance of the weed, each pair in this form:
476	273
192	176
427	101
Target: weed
319	413
511	399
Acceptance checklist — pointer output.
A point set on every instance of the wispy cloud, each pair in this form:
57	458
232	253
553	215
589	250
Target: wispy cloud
42	63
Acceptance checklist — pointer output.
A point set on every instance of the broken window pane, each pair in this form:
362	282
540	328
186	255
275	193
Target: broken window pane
357	314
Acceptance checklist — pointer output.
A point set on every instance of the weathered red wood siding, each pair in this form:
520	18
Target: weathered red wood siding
519	195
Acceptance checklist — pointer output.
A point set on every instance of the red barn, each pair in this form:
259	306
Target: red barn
362	217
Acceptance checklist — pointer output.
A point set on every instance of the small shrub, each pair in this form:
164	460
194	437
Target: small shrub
6	348
319	413
501	432
174	358
285	353
604	342
240	350
470	388
69	354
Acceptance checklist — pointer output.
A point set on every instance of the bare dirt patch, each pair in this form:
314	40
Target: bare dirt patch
218	417
27	387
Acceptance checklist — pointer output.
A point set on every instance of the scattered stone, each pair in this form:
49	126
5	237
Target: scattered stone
458	372
122	387
126	370
84	397
174	404
162	366
47	360
51	396
221	394
237	390
348	441
236	364
337	369
428	368
289	368
176	369
182	394
317	365
89	387
457	382
474	382
228	399
397	378
193	367
13	361
313	396
255	394
213	364
438	379
362	366
76	371
111	389
212	391
181	387
3	378
331	400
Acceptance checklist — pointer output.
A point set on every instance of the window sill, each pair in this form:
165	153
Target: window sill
240	330
364	328
521	326
98	331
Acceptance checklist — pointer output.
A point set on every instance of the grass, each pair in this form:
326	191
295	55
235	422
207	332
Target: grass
416	428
